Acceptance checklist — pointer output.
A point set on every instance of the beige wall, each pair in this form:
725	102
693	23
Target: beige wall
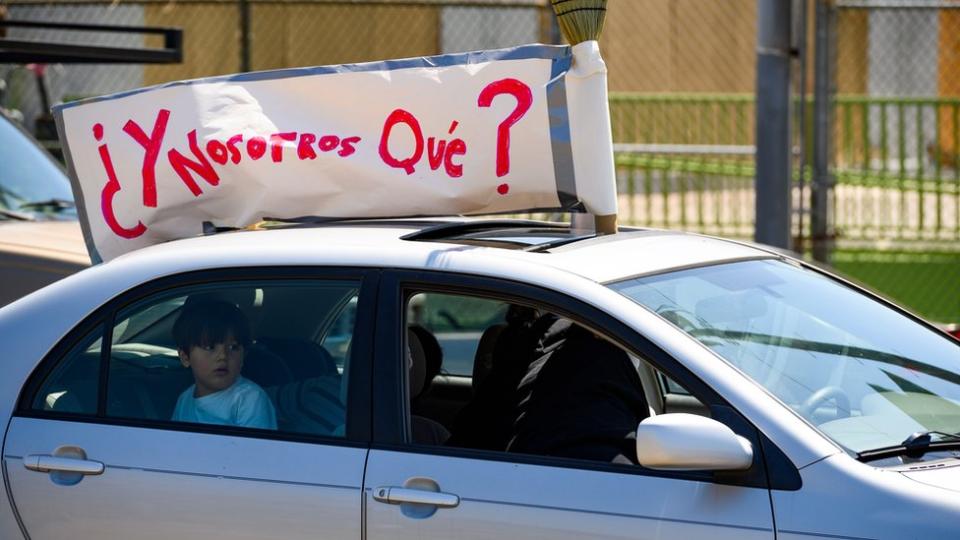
290	35
649	45
211	44
306	35
851	55
681	45
949	85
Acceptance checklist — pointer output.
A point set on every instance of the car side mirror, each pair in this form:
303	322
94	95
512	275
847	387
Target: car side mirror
687	442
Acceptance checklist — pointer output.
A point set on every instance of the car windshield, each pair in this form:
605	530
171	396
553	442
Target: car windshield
32	185
866	375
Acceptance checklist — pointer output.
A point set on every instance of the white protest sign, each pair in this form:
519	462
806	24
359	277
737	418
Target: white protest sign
474	133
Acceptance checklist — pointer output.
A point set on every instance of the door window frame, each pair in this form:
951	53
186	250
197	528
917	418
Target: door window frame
391	411
358	406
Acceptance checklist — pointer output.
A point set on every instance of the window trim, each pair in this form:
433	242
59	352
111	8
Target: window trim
391	408
106	357
358	427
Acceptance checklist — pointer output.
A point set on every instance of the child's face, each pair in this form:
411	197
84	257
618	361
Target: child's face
215	367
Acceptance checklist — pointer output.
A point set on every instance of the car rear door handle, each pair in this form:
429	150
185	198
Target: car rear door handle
399	495
45	463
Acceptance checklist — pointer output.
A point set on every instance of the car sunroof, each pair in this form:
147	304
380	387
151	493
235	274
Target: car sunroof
507	234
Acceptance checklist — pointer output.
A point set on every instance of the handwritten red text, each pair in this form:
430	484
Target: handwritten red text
201	163
447	152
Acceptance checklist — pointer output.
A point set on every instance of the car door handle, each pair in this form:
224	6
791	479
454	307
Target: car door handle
398	495
44	463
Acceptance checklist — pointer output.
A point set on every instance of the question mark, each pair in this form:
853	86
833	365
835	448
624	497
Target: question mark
524	98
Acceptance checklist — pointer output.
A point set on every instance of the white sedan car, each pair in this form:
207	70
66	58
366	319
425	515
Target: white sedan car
419	379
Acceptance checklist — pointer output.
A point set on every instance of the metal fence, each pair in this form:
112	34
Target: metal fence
678	53
229	36
896	149
895	181
682	75
704	143
649	45
897	110
685	160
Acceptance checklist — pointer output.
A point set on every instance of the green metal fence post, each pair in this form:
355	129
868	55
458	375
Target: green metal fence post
920	183
902	153
938	182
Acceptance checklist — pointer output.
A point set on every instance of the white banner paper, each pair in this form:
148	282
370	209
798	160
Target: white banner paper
474	133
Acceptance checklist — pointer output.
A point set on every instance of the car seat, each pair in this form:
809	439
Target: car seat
304	358
487	421
265	368
483	359
423	430
433	355
311	406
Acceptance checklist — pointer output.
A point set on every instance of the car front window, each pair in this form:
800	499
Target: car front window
866	375
30	181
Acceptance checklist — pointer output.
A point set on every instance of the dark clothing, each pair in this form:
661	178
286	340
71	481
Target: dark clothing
487	421
426	431
581	399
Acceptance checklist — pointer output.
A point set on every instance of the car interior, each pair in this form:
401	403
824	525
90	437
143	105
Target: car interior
467	359
299	355
466	356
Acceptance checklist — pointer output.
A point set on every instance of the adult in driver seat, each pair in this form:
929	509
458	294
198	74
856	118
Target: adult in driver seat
582	399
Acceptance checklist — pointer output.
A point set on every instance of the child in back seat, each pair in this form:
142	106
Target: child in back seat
211	336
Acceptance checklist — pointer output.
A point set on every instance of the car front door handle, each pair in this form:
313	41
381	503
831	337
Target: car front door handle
45	463
399	495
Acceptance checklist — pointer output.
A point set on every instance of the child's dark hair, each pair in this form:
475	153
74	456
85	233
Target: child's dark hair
208	322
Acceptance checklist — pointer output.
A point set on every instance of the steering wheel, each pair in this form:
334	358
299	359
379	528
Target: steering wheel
826	394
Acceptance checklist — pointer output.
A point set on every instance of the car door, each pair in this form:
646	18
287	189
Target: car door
92	452
425	491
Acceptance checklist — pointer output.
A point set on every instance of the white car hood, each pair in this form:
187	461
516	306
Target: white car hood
942	474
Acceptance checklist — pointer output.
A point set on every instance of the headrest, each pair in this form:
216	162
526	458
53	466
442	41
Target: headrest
417	364
483	360
432	352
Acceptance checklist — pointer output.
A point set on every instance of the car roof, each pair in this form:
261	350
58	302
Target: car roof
432	244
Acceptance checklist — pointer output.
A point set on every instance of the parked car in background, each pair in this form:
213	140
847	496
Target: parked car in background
40	238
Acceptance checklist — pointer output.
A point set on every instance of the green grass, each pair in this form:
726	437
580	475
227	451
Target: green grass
927	283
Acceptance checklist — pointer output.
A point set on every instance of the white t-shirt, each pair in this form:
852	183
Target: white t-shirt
243	404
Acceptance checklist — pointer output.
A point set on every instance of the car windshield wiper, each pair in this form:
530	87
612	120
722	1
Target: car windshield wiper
16	216
914	446
56	204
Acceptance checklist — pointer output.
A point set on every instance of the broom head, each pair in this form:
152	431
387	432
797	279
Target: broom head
580	20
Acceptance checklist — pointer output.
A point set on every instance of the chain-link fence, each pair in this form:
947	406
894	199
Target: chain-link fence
896	150
682	75
682	78
681	72
229	36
